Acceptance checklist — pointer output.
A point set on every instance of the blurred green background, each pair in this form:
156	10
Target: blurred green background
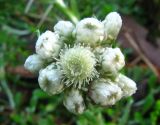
21	100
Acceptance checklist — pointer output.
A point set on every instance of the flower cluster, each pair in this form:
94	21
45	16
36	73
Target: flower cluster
80	60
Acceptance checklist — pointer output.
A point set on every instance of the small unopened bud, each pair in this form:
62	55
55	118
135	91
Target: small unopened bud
104	92
74	102
112	60
127	85
112	25
48	45
34	63
64	28
89	31
50	80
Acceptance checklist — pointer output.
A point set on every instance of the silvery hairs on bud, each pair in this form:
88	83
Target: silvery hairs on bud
112	25
89	31
34	63
74	102
112	60
127	85
50	80
48	45
64	28
104	92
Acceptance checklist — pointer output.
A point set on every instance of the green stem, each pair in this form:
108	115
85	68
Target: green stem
4	85
8	92
48	10
66	11
124	118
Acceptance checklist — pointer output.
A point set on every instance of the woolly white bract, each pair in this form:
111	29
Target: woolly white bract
112	25
74	102
79	61
112	60
89	31
104	92
64	28
127	85
34	63
48	45
50	80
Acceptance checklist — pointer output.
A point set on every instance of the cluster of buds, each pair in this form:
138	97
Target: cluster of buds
80	60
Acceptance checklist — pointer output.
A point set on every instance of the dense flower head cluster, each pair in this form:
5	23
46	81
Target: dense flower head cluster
80	61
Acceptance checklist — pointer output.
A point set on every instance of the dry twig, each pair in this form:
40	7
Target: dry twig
144	58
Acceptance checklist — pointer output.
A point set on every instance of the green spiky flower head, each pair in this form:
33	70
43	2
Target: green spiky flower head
78	66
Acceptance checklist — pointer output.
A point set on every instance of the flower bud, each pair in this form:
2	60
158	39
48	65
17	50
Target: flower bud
64	28
74	102
89	31
104	92
127	85
34	63
78	66
112	25
50	80
48	45
112	60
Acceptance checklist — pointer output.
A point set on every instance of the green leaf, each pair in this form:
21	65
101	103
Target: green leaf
124	119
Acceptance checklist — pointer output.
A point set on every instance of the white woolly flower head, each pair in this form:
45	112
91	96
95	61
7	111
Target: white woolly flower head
104	92
112	25
48	45
78	66
89	31
112	60
34	63
50	80
81	60
64	28
74	102
127	85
